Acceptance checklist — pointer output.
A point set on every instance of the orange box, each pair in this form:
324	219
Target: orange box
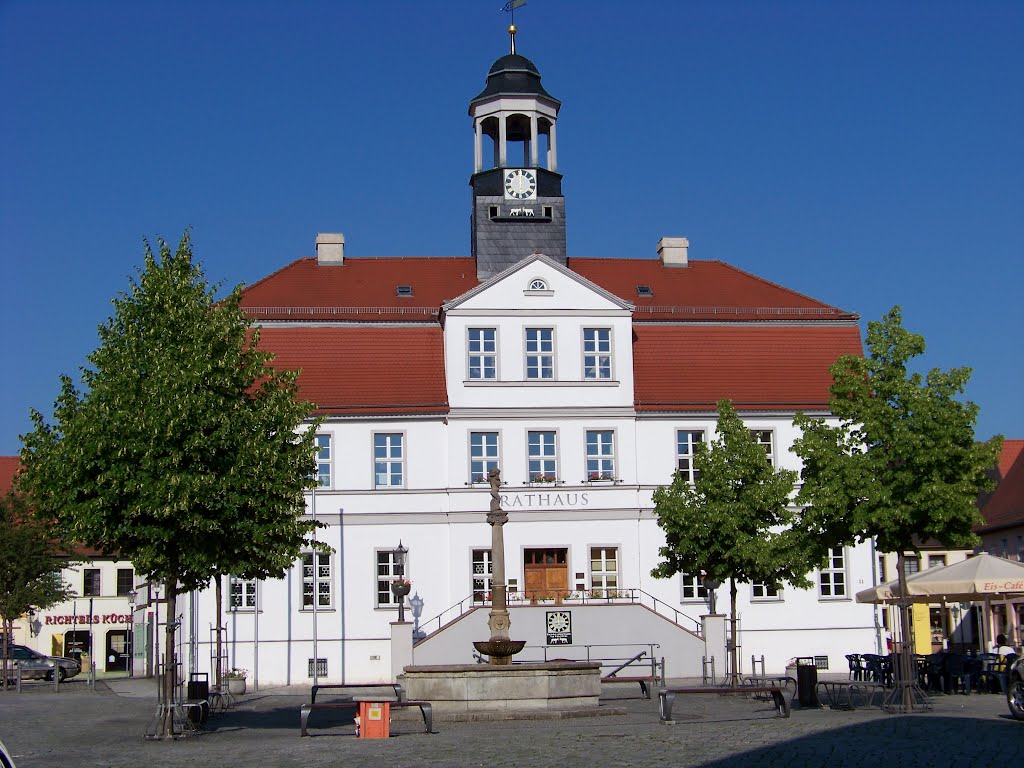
374	720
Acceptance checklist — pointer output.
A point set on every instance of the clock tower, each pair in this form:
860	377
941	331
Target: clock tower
518	208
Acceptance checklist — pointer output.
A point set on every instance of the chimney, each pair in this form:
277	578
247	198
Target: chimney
672	251
330	249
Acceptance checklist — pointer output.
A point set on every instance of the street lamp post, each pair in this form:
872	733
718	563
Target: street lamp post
400	587
130	644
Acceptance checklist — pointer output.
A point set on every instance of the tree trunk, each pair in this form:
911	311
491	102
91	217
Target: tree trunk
217	671
906	645
170	667
734	676
8	627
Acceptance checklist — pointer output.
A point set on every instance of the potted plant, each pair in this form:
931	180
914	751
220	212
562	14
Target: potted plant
401	587
236	681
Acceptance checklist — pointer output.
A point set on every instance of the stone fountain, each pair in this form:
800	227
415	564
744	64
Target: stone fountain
501	689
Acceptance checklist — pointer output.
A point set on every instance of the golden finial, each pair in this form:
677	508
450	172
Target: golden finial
512	29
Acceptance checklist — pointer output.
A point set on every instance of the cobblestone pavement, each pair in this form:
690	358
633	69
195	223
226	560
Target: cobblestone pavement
78	727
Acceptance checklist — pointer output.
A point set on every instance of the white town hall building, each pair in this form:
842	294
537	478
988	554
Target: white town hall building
587	381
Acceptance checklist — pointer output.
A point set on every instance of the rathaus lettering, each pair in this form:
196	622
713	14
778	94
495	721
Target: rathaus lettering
512	500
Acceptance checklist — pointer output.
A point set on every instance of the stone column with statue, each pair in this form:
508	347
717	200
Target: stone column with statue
499	648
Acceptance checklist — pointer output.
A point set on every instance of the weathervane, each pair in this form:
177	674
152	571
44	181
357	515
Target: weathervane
510	7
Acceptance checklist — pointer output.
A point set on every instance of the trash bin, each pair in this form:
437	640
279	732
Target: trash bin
807	682
198	686
374	720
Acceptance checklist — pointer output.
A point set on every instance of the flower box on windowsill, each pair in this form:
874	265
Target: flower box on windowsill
542	480
601	479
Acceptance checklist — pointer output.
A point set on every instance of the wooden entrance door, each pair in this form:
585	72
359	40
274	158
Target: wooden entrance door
546	573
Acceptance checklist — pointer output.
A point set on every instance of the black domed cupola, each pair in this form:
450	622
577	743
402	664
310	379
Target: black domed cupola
518	208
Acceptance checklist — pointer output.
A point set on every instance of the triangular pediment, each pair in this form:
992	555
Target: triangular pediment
538	283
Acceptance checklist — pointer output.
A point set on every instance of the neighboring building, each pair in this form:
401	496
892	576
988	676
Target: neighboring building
588	381
95	625
1003	532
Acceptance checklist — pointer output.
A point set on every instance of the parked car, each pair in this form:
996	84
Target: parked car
35	665
1015	689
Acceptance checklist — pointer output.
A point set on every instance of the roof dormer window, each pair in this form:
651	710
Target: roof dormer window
404	291
644	291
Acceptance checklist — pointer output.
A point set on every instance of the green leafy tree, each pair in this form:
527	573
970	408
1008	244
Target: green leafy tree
732	523
902	465
185	451
30	564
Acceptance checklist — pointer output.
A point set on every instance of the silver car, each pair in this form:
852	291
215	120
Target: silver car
35	665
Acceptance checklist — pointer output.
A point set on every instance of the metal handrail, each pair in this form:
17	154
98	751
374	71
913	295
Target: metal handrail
518	598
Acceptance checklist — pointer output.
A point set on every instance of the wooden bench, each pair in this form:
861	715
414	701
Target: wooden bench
647	682
666	696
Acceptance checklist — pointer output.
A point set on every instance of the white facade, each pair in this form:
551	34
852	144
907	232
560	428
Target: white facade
428	502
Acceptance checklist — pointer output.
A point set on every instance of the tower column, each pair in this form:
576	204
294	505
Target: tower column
552	154
533	140
502	150
478	147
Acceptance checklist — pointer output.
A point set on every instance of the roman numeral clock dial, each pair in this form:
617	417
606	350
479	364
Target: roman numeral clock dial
521	184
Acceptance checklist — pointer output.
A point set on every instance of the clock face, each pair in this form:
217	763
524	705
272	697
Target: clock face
558	621
520	184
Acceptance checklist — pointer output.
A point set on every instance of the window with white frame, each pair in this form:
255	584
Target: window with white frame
692	587
687	441
832	578
597	353
542	459
242	594
760	590
388	460
482	353
482	571
763	437
604	571
936	561
540	353
483	455
911	564
600	454
316	579
387	572
323	460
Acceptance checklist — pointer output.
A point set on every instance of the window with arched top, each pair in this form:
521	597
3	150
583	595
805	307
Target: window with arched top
537	284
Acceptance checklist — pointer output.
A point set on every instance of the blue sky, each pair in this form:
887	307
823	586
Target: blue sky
865	153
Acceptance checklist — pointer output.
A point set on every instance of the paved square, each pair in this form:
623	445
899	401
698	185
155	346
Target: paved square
80	728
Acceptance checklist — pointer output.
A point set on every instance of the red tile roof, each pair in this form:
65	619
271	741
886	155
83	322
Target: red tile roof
770	367
703	290
365	289
1005	506
9	467
359	369
361	289
400	369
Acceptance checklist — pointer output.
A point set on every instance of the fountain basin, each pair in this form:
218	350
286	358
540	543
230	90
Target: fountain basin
458	688
499	651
